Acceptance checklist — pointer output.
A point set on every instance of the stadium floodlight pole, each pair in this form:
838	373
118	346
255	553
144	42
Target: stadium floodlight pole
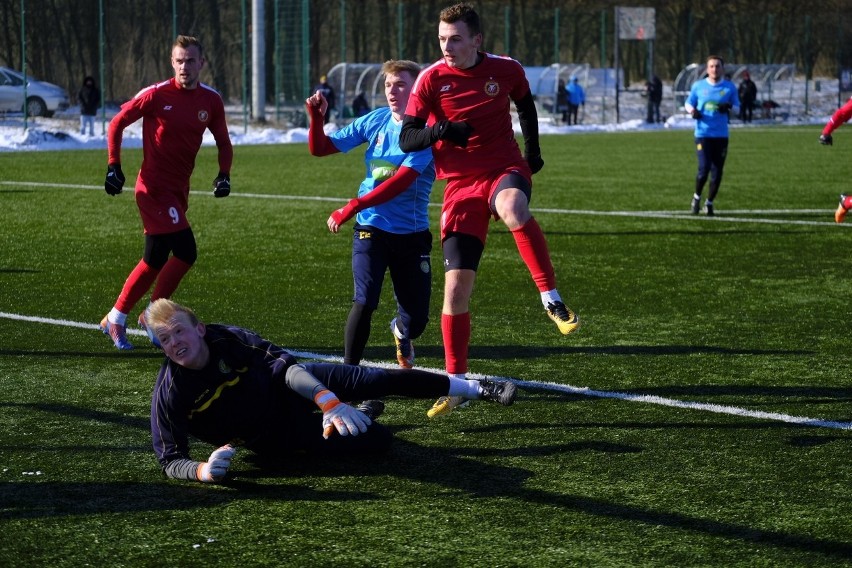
276	58
24	56
245	67
616	63
507	11
399	19
603	66
807	60
306	40
343	30
101	64
556	35
258	60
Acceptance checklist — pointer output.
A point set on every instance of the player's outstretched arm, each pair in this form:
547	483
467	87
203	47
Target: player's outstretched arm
211	471
216	466
382	193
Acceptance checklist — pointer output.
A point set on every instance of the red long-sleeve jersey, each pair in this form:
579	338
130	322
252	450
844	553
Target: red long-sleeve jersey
173	125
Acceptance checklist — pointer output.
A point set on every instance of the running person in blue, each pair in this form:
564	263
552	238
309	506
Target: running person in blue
391	215
709	102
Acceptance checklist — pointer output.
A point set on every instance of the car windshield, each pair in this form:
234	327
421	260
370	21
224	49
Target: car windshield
10	78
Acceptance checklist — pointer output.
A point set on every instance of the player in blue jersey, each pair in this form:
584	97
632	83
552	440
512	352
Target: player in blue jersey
229	387
709	102
391	215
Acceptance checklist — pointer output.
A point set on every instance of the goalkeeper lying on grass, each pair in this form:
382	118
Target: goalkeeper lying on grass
230	387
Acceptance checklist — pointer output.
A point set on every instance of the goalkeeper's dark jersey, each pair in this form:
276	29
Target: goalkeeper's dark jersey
240	397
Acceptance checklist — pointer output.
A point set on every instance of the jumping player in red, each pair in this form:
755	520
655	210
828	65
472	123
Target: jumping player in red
465	99
839	118
175	114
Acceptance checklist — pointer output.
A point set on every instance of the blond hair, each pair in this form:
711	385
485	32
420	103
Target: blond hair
162	311
397	66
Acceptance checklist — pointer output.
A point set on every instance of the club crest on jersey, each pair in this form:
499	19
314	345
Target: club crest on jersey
492	88
203	116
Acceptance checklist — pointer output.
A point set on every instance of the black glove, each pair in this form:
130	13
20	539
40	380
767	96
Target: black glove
826	139
696	114
222	185
535	163
114	179
456	132
724	107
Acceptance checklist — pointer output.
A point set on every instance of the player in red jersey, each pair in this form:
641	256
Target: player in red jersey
465	98
840	117
175	114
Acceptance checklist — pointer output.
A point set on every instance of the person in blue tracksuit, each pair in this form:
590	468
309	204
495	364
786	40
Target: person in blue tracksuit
709	102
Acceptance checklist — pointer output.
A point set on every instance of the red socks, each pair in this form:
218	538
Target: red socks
170	276
143	276
456	332
534	252
135	286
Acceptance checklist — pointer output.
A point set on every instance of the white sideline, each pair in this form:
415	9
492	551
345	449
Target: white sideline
735	217
724	216
558	387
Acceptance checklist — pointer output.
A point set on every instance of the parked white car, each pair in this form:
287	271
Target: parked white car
43	99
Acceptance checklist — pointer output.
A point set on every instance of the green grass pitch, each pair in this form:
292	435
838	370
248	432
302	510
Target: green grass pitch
747	311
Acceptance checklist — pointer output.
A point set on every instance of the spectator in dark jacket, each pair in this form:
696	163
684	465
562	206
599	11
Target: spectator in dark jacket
89	98
748	95
654	91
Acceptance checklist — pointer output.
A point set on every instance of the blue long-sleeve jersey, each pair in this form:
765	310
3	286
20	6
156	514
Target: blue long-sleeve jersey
706	97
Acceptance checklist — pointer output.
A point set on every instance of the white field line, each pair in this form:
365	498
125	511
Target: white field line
585	391
722	217
558	387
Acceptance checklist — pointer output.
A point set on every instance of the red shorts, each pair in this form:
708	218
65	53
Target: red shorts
467	201
161	211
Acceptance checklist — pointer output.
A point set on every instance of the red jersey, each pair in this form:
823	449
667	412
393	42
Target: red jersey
173	125
479	96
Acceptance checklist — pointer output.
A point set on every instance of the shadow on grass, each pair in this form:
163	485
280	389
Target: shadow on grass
500	352
455	469
84	413
152	353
